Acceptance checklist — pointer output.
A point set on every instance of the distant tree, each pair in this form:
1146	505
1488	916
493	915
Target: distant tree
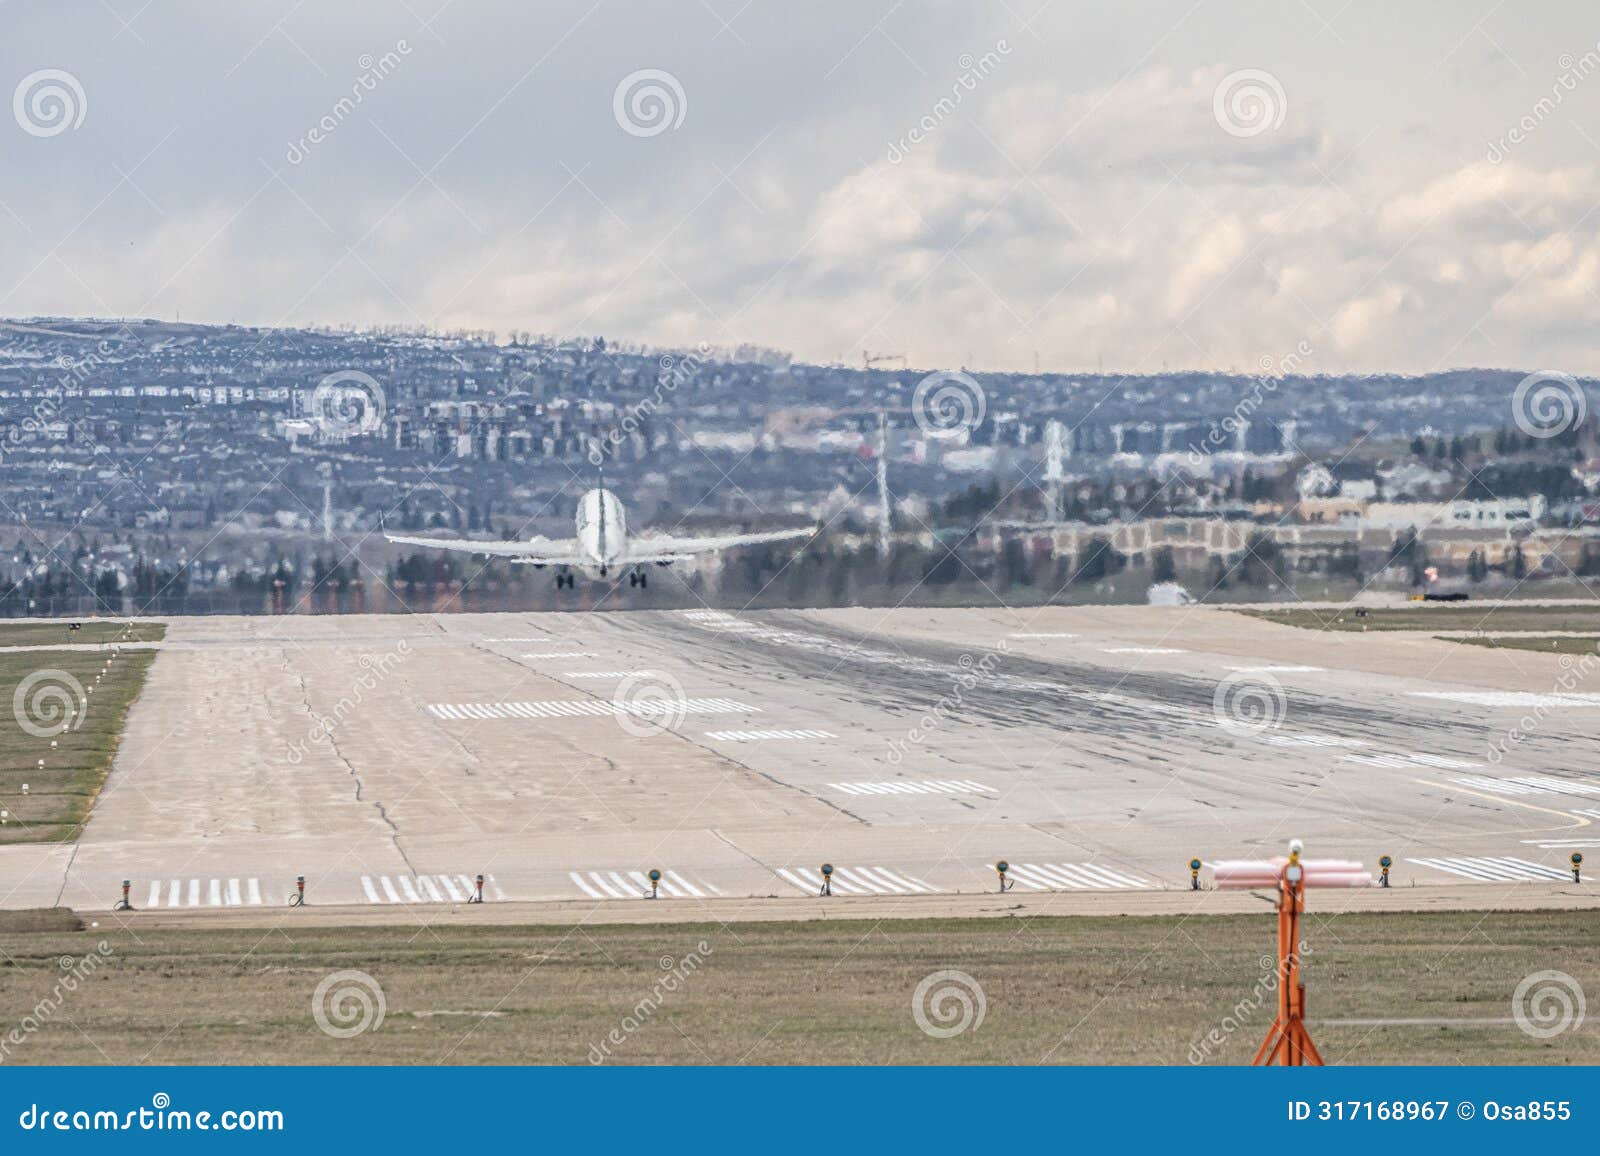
1163	567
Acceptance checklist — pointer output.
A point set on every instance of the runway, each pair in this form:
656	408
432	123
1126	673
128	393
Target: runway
392	760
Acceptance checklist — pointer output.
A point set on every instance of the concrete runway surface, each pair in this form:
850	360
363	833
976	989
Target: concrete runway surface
390	760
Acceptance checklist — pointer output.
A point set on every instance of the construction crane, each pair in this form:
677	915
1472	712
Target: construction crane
868	360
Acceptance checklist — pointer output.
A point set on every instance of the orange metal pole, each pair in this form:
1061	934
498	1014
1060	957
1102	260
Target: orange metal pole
1288	1043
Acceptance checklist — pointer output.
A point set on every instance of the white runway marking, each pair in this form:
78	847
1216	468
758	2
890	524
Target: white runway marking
1312	741
1508	698
1566	845
1041	634
606	673
915	787
1495	870
1275	669
706	615
767	736
524	639
1528	785
859	881
636	885
1141	650
587	708
1075	877
1402	761
563	654
218	893
427	888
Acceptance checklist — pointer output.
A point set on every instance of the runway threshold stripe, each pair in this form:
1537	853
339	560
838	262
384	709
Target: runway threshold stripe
784	874
583	886
685	884
366	885
155	894
449	885
253	893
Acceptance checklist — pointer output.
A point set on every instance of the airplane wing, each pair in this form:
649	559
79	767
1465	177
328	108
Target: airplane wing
668	549
537	552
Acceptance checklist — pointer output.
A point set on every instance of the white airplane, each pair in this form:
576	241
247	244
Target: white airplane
601	544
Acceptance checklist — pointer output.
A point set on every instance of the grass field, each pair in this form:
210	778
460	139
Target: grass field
1171	990
1561	644
1440	616
61	793
61	633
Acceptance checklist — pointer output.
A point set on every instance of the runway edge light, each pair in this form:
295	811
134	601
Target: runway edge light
1194	874
298	899
477	892
1576	859
1000	869
124	904
827	880
1384	863
655	883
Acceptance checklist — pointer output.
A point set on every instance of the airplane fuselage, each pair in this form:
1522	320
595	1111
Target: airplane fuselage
602	532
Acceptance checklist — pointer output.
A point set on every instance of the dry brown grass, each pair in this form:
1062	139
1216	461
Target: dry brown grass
1058	990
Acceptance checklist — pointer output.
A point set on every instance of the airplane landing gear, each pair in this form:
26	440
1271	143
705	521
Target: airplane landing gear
638	578
564	580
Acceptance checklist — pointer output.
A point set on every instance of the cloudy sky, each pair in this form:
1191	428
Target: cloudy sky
992	185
